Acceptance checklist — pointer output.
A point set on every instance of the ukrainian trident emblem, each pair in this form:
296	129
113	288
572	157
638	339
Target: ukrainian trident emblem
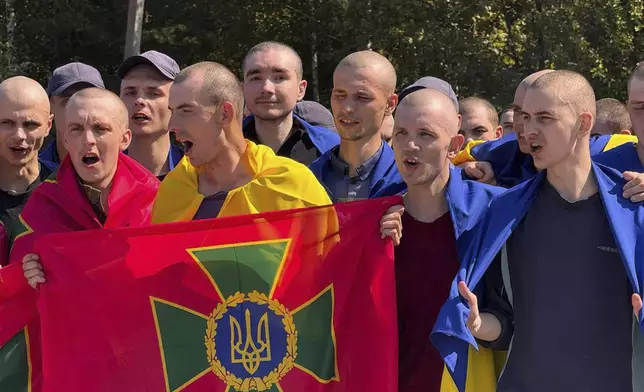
252	341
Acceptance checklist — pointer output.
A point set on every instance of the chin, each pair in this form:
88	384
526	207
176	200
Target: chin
271	115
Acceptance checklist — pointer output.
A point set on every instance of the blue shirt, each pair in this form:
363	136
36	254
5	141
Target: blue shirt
346	187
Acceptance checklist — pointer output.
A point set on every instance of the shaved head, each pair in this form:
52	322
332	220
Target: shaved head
25	121
217	84
612	117
376	61
276	46
24	90
571	88
426	138
472	103
436	102
118	110
519	95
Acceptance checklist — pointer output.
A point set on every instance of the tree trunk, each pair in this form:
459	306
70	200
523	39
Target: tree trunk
134	27
11	27
314	68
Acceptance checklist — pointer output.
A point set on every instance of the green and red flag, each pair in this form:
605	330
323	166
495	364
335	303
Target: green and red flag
20	369
300	300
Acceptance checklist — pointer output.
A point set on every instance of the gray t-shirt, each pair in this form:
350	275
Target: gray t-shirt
571	301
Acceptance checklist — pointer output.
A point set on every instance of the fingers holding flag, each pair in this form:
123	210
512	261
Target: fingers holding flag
634	188
391	224
33	270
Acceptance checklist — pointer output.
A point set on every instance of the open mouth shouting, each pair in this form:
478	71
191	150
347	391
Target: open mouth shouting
90	159
535	147
187	145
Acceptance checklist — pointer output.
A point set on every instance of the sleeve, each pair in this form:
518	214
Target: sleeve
496	302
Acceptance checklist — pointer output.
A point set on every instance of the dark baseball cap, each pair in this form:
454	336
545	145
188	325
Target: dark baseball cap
314	114
160	61
70	74
431	83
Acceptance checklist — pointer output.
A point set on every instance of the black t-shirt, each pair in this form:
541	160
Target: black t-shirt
571	300
11	204
297	146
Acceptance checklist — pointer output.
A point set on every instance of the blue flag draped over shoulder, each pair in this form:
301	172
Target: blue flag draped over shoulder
512	167
451	335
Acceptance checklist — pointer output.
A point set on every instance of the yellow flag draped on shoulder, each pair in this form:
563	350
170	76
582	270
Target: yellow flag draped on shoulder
278	183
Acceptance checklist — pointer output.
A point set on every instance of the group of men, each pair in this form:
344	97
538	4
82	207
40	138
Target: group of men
532	264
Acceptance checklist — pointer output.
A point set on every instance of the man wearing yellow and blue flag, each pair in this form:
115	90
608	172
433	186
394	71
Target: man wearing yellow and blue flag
223	174
508	159
568	249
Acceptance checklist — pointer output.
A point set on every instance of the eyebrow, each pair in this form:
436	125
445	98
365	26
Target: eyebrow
183	106
255	71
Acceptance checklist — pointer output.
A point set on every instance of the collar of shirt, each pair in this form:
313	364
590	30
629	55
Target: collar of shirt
94	197
363	170
297	132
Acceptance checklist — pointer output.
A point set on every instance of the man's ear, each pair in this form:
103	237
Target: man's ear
50	122
586	122
455	146
126	139
301	89
499	132
625	132
392	102
227	113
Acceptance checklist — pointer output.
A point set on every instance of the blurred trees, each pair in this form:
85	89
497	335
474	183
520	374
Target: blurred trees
483	48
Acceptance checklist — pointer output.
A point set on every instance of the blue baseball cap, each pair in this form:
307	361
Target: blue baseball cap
70	74
431	83
160	61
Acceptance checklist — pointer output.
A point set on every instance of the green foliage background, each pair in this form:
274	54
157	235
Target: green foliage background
481	47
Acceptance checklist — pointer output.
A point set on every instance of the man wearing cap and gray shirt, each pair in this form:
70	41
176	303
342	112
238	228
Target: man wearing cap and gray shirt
65	81
145	88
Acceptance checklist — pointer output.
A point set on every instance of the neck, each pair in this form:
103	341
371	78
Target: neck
226	172
273	133
573	178
151	151
427	202
355	152
18	179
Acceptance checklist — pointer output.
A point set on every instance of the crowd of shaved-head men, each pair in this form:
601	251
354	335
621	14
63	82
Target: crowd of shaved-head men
541	202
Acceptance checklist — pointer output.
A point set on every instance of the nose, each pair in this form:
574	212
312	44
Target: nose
268	87
21	133
89	138
530	128
173	126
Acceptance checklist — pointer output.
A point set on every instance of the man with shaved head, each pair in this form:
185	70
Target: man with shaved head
440	209
25	121
222	174
273	84
507	161
507	121
96	186
363	96
612	118
480	121
567	253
